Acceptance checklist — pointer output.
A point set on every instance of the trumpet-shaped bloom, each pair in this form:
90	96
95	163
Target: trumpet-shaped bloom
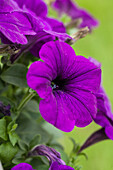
72	10
26	23
21	18
67	85
104	115
16	23
55	161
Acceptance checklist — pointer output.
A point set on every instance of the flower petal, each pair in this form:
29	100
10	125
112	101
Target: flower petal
39	78
17	23
37	6
82	106
22	166
8	6
55	110
56	166
72	10
56	25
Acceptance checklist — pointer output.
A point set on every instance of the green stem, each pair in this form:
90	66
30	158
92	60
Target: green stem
25	101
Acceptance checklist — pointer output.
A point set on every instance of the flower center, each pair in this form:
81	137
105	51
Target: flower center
57	84
54	86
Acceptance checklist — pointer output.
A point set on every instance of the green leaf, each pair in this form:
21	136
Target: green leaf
44	167
38	164
12	126
35	141
28	127
32	106
13	138
19	157
16	75
3	129
76	146
17	160
7	152
1	84
12	134
8	120
23	145
83	154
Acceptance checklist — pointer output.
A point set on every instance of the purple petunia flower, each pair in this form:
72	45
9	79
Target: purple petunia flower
14	26
51	154
27	18
104	115
22	166
26	23
54	157
71	9
56	166
67	85
103	118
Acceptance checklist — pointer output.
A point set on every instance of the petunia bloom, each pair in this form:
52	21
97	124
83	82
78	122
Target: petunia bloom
56	166
26	18
51	154
22	166
54	157
103	118
104	115
16	23
67	85
26	23
72	10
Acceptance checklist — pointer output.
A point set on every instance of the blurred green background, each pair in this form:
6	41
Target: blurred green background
98	45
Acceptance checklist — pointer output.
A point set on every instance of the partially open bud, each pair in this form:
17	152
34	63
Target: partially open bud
97	136
51	154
